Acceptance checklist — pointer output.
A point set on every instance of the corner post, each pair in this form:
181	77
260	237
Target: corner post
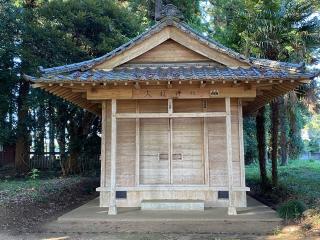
103	155
231	209
112	193
241	144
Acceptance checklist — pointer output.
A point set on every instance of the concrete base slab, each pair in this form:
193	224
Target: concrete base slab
173	205
255	219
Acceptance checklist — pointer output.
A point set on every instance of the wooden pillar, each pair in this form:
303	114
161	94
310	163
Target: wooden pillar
103	155
137	177
231	208
241	145
205	145
170	111
112	193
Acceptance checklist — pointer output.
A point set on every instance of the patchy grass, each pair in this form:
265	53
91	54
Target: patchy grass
299	180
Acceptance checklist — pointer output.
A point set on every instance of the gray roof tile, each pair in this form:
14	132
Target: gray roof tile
175	73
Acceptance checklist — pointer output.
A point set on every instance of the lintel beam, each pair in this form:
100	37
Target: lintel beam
171	115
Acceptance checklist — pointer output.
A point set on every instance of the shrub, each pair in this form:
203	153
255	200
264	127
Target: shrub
292	209
34	174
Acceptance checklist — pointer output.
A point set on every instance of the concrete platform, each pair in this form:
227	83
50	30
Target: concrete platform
255	219
172	205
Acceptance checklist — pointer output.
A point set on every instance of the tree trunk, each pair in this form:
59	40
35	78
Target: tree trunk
40	130
78	135
274	141
261	140
51	130
22	142
283	134
61	125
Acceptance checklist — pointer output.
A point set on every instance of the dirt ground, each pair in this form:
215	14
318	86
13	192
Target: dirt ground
21	218
107	236
25	210
291	233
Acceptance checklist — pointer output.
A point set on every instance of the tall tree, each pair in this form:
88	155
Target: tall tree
9	29
274	141
261	139
278	30
283	133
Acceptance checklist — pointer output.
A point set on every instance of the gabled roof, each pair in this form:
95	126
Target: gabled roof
89	64
85	65
231	66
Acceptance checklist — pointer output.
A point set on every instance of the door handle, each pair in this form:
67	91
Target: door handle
177	156
163	156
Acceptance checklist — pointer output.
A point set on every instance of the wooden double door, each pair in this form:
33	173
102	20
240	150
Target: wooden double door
171	151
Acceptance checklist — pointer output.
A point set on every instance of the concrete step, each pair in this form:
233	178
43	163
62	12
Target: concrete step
172	204
90	218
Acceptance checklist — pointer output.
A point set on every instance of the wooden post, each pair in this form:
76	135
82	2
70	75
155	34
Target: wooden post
103	156
137	177
205	145
112	193
170	111
231	209
241	145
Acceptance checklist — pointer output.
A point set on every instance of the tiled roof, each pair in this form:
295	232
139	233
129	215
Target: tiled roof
151	31
86	65
169	73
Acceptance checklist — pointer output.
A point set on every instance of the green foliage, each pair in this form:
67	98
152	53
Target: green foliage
9	26
34	174
291	210
298	180
312	128
250	142
282	30
269	29
53	33
189	8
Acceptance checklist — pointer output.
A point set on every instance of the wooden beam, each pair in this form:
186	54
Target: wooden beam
175	93
168	187
79	90
37	85
104	94
171	115
231	208
112	193
306	81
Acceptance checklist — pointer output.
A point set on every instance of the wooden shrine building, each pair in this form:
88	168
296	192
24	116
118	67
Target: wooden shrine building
172	102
